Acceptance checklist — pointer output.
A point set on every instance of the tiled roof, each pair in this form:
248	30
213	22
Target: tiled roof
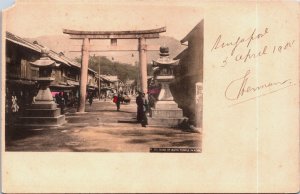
71	62
22	42
53	55
110	78
38	47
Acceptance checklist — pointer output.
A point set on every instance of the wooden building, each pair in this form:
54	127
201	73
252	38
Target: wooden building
109	85
189	76
21	76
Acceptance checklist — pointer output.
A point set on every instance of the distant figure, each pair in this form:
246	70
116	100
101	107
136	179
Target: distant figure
91	99
61	102
145	110
115	98
142	108
118	103
139	102
66	98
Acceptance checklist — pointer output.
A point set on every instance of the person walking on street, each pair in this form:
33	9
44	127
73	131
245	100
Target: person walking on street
118	103
115	98
145	110
142	108
139	103
91	99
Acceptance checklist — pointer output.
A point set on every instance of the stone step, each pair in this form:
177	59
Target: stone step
99	119
167	122
43	121
42	112
170	113
164	105
43	106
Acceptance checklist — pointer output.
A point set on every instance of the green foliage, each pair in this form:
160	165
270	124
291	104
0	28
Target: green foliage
107	67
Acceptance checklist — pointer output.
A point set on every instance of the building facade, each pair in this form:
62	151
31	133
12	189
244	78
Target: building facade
187	87
21	75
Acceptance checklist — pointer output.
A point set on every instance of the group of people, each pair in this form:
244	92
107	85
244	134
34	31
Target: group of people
121	98
142	107
141	101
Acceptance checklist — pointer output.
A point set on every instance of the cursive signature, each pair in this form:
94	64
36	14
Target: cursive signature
240	87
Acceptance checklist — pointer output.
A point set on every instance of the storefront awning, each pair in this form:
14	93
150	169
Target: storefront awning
61	88
72	83
21	82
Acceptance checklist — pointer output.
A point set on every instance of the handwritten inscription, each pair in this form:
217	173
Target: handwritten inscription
239	41
244	49
240	87
248	43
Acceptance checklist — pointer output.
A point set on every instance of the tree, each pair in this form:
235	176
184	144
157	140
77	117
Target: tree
122	70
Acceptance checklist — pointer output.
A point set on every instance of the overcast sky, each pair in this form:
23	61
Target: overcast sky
35	18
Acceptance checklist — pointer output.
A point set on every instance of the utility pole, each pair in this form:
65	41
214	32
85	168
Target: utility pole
99	85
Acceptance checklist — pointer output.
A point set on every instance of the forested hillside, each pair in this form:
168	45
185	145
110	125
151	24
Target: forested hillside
122	70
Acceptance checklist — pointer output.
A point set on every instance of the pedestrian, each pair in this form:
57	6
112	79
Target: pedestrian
118	103
57	98
61	102
115	98
91	99
66	98
144	121
139	103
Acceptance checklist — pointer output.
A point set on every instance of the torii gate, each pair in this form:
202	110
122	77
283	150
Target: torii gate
142	47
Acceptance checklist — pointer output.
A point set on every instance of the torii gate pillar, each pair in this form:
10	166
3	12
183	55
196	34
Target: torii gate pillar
84	74
143	64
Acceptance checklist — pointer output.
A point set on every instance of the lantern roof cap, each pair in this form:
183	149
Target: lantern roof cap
165	61
164	58
44	61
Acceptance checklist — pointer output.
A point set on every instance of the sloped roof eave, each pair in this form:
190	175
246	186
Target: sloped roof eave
186	38
25	45
182	54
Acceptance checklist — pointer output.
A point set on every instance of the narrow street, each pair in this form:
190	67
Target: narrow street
100	129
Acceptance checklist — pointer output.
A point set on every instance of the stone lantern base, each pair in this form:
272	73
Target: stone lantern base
44	111
166	113
42	114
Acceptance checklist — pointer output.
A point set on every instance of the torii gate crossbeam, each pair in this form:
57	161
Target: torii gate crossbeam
141	35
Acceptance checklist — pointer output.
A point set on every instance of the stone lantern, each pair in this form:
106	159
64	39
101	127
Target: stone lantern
165	111
43	111
45	65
